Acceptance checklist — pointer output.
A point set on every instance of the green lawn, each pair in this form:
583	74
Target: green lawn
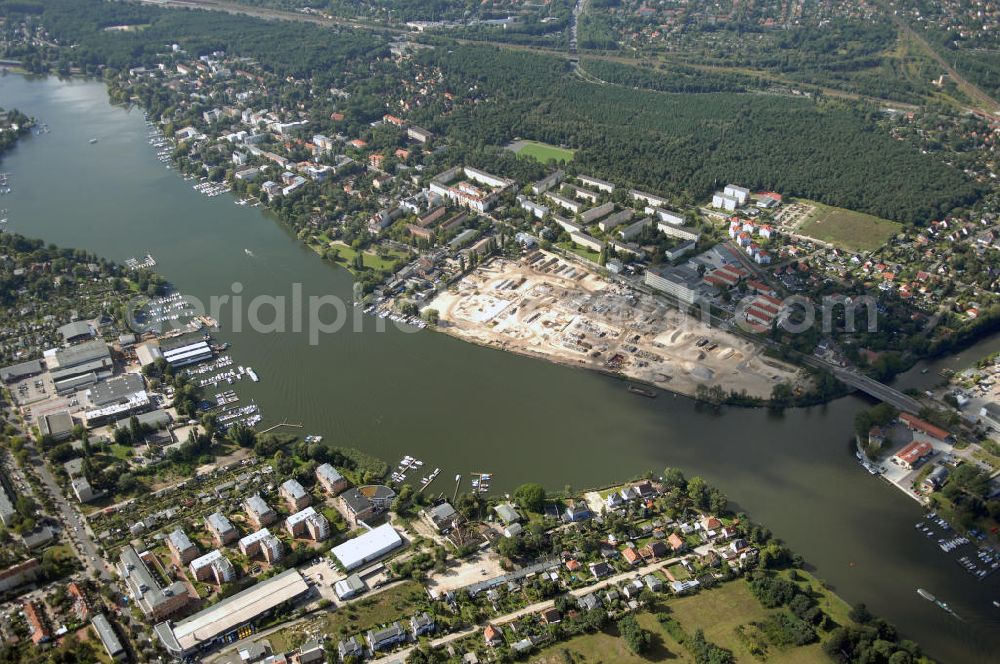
580	251
345	256
718	612
608	647
854	231
543	152
357	617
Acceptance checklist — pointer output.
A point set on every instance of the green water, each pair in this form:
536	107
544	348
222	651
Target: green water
464	408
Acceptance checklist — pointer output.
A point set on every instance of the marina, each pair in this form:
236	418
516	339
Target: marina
481	482
145	263
980	562
405	465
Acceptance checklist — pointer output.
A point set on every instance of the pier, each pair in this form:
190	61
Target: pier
281	424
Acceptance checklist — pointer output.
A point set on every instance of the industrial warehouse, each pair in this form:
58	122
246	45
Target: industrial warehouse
205	628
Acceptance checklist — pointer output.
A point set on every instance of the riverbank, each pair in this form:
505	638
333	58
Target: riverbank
457	406
544	307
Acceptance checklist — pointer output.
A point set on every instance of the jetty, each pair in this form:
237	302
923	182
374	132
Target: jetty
283	423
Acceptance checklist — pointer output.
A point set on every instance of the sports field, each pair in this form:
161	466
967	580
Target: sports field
542	152
854	231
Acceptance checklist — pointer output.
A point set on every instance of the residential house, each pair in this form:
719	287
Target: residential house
294	495
577	510
385	638
421	624
492	636
222	529
182	549
259	512
331	479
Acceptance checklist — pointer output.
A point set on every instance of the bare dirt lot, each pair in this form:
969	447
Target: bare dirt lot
545	306
470	570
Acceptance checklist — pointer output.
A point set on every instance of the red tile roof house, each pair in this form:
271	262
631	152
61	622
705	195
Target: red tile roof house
675	542
492	636
631	556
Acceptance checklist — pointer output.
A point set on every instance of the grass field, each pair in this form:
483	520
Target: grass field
608	647
345	256
580	251
543	152
371	611
854	231
718	612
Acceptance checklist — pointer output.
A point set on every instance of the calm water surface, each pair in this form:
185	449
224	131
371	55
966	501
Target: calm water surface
466	408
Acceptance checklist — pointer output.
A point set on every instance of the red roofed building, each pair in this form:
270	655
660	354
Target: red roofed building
911	455
337	117
914	423
80	607
392	119
36	623
492	636
631	556
675	542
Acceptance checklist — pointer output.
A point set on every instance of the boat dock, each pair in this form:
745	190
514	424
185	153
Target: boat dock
426	481
481	482
283	423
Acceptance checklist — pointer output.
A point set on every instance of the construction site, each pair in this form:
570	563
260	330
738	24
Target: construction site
546	306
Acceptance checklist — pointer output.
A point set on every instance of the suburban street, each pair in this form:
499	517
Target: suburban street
401	655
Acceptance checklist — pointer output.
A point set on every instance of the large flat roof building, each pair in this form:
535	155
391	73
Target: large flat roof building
57	426
205	628
20	370
116	389
367	547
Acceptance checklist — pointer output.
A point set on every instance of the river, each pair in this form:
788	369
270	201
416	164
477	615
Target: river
466	408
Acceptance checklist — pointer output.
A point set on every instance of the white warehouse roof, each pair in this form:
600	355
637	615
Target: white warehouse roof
368	547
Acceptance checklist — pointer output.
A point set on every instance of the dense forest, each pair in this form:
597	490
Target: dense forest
662	138
292	49
690	144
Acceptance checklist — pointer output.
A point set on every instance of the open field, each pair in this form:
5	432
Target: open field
718	612
854	231
541	151
545	306
607	646
372	610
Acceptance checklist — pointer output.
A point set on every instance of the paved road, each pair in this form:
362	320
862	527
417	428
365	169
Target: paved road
77	532
76	529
